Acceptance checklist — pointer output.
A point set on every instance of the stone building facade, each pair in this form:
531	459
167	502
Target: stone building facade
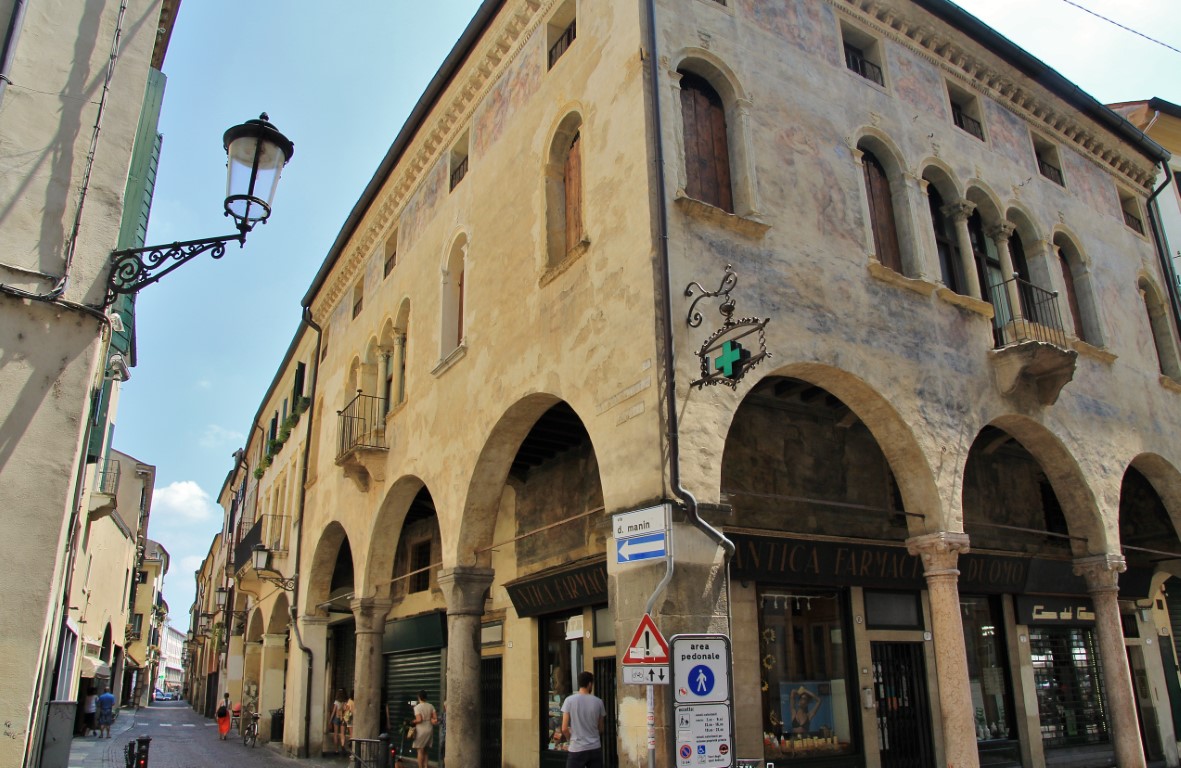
935	515
70	193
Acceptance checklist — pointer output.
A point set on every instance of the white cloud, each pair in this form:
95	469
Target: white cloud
190	563
183	501
216	436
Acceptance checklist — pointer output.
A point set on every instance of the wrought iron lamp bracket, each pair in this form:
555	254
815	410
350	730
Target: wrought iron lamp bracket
284	583
729	280
135	268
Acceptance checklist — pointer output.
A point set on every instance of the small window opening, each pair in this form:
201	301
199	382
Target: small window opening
1131	210
561	31
391	254
459	161
420	560
358	297
965	111
862	54
1048	164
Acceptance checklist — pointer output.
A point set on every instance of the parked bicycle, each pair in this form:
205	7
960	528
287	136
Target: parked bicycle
250	730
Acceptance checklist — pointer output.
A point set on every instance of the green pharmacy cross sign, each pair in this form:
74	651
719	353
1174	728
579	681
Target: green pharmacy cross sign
731	363
732	359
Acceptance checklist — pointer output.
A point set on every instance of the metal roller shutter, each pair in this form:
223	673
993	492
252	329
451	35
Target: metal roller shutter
405	675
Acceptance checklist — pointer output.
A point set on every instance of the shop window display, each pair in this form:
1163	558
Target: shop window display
561	652
988	679
804	665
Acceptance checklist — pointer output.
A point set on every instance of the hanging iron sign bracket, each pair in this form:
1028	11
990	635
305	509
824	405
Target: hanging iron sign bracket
733	358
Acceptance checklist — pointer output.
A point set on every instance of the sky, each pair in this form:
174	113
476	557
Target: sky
339	80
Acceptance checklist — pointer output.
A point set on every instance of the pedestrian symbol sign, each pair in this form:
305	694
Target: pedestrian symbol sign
648	646
701	680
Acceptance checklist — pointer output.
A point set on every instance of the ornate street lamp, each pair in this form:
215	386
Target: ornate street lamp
260	558
256	153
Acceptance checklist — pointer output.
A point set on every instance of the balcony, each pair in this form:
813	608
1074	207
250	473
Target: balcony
1031	355
246	542
362	448
106	489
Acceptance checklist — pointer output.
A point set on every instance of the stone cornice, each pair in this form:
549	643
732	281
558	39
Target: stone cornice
499	46
1086	137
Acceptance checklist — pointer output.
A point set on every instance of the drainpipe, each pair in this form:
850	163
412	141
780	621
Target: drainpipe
1162	247
303	484
674	445
8	54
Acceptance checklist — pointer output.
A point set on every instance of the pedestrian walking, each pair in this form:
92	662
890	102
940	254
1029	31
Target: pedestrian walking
90	712
338	725
223	717
584	720
425	720
106	713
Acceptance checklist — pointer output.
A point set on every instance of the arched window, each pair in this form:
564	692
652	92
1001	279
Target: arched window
707	150
563	191
452	325
881	212
1072	304
1158	324
949	266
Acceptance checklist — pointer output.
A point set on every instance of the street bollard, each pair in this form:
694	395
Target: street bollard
383	754
137	752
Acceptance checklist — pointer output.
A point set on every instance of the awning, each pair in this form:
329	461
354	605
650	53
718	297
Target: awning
92	667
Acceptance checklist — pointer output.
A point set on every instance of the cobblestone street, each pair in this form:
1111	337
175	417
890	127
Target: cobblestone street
180	739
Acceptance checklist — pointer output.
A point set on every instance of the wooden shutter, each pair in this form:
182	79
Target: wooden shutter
881	213
459	311
573	182
707	153
1071	297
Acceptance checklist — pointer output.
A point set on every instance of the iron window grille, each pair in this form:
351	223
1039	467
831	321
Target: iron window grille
1133	221
1049	170
966	122
856	61
562	43
458	172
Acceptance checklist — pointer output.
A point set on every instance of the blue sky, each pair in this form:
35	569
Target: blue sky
339	80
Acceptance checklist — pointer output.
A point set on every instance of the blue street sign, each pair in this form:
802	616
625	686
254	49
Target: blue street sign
648	547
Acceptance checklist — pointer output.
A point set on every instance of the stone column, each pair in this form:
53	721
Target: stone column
370	613
307	689
465	590
940	552
399	393
251	674
959	213
1102	575
270	688
918	223
1000	235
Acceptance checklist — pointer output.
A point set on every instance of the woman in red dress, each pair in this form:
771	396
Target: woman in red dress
223	718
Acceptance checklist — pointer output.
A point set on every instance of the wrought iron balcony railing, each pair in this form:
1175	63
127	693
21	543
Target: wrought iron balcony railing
1037	318
563	42
856	61
966	122
245	545
108	478
362	425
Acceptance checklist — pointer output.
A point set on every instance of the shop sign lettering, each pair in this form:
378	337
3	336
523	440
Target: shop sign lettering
538	595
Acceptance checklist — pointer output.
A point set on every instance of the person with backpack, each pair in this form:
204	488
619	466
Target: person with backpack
223	718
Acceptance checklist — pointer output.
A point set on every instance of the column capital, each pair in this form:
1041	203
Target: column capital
939	551
313	621
370	613
274	640
960	210
1002	230
1101	571
465	589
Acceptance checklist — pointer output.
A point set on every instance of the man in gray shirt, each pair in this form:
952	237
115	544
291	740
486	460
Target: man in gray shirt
583	722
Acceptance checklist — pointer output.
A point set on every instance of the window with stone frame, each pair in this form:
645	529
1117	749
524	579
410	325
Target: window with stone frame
881	212
707	148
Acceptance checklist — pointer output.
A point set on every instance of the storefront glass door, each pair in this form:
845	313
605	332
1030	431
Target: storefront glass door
561	661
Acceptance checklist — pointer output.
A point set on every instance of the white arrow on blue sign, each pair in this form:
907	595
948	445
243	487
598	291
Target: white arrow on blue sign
636	548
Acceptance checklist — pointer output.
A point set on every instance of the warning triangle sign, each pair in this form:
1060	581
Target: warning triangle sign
648	646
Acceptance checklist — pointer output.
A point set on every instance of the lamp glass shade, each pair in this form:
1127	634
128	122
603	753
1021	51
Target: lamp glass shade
259	556
219	595
255	155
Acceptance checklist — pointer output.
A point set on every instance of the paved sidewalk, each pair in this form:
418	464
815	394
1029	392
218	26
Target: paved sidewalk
181	738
